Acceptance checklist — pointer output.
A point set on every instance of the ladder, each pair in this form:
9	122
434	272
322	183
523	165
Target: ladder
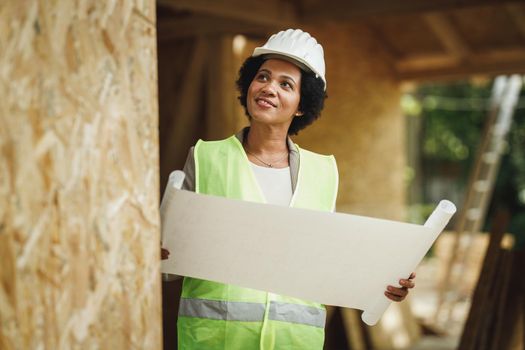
504	98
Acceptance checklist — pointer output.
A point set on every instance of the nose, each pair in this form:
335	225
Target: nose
269	88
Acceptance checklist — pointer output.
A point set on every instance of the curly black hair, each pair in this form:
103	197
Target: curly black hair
312	93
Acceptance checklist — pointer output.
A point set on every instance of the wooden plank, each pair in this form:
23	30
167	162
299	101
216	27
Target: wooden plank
185	119
512	336
517	14
462	71
391	52
441	60
427	62
354	329
79	217
501	318
270	12
205	25
443	28
480	298
335	332
220	90
351	10
496	55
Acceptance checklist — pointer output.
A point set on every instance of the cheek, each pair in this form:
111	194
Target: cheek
254	86
249	98
294	102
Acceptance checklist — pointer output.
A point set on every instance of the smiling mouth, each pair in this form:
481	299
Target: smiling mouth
263	102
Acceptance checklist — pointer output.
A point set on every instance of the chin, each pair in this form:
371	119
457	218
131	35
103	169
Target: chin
260	116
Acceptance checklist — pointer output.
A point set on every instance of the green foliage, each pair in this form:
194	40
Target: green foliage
453	117
452	133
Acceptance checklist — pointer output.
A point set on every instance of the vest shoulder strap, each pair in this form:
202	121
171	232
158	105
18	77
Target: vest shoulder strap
222	169
318	181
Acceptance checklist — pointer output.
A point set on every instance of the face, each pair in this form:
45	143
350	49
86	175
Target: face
274	94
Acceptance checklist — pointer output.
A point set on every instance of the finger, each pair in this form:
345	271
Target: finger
394	297
402	292
164	253
407	283
412	276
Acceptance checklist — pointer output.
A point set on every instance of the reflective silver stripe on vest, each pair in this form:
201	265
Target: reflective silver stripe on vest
221	310
252	312
295	313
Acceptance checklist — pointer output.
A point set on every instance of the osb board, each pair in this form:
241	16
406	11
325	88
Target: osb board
79	226
362	123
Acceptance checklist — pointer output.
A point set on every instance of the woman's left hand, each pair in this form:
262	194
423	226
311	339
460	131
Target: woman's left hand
399	294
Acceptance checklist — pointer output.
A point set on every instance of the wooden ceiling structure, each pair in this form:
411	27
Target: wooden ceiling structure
423	39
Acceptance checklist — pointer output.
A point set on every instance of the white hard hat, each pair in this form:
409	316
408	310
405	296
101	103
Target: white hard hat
298	46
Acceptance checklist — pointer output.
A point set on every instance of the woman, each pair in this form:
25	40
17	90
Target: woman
282	88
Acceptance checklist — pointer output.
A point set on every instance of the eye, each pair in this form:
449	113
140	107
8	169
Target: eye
287	85
262	77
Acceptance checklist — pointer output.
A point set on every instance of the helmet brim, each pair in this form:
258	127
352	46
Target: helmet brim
301	63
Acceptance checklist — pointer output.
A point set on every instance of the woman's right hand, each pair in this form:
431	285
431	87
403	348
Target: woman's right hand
164	253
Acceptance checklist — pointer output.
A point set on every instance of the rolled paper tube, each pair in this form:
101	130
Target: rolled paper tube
440	217
372	316
437	221
175	181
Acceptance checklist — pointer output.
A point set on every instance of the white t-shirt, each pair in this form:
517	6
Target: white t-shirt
276	184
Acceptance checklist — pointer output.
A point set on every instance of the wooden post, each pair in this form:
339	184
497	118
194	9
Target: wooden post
184	107
481	299
221	92
79	222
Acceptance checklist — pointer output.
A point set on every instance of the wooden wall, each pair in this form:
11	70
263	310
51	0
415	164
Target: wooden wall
79	224
362	123
197	95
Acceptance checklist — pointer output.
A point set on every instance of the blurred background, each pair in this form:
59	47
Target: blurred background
424	103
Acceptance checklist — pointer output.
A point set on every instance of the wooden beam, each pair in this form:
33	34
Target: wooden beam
462	71
393	54
355	331
185	118
351	10
220	97
425	62
270	12
517	15
444	30
499	55
203	25
441	61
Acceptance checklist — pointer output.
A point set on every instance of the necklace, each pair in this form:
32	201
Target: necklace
269	165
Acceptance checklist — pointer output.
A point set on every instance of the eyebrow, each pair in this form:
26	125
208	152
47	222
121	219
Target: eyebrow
284	75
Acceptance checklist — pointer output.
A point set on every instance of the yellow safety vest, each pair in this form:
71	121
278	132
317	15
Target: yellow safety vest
221	316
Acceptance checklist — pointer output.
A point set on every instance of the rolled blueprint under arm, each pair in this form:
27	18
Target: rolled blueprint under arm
437	221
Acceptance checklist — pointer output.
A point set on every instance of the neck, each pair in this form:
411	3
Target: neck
266	140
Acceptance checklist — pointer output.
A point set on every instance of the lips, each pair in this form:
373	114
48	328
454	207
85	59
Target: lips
264	102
